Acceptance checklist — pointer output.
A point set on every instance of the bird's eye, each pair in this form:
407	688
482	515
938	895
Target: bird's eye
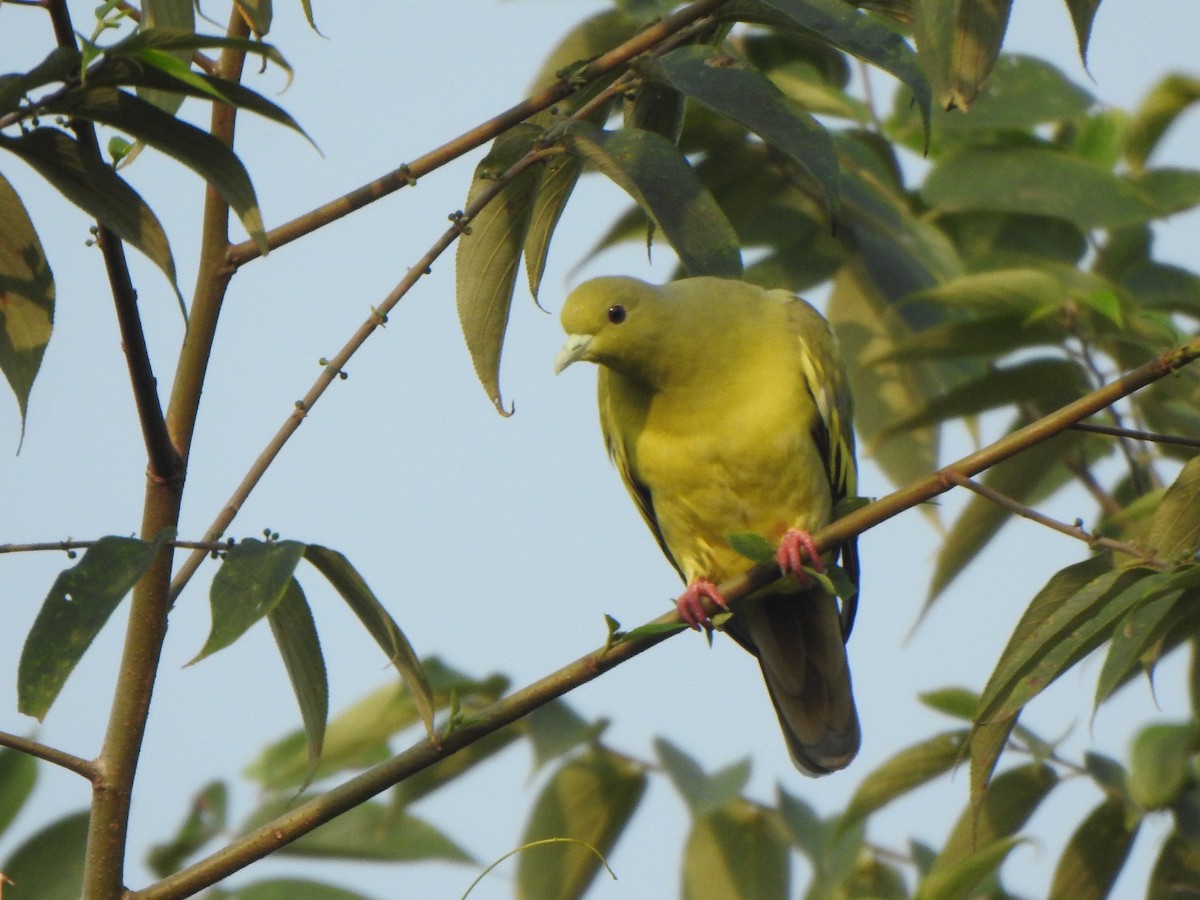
616	314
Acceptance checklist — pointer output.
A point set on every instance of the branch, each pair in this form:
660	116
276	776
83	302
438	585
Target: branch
70	545
1076	531
319	810
408	173
1152	436
163	462
50	754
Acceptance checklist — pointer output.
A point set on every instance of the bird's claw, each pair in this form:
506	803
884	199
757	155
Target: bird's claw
690	606
795	549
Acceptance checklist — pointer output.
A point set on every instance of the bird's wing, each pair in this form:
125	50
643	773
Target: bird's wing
616	440
832	429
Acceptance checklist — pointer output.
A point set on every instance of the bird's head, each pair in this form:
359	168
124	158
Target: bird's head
616	322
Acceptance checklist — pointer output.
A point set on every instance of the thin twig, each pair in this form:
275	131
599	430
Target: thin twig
1076	531
306	816
69	545
478	136
1153	437
52	755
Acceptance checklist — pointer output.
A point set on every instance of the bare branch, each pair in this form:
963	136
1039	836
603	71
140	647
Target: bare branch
51	755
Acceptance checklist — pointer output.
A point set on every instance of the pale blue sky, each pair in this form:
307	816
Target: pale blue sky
497	544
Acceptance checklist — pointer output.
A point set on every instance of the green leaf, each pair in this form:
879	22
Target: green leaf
382	627
1082	14
288	889
1095	854
94	188
1137	637
752	546
867	327
738	851
590	799
905	771
748	98
59	65
654	173
1175	529
1176	870
49	865
1160	763
76	608
172	39
958	702
1173	190
295	634
986	744
556	729
442	773
973	848
18	774
1038	181
1049	640
489	255
253	578
1006	386
369	832
26	298
207	818
1163	106
178	14
958	42
702	792
860	35
257	13
959	881
209	157
593	36
557	180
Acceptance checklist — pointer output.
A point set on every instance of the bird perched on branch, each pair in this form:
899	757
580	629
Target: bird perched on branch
726	410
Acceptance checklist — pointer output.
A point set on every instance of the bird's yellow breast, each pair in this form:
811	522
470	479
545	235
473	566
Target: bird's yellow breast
729	454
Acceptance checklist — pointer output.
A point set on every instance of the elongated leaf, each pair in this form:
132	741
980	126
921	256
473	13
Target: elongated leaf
986	744
1095	854
959	881
26	298
171	39
1020	383
958	42
736	851
1176	870
857	34
1175	529
257	13
207	818
49	865
1047	642
1138	636
18	774
866	328
653	172
96	189
1082	14
178	14
742	94
1161	763
1165	103
370	831
1038	181
489	255
209	157
295	634
555	729
59	64
379	623
251	581
121	71
958	702
556	182
906	770
590	800
702	792
1006	805
76	608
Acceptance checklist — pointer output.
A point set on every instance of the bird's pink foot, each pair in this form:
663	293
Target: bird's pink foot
691	605
795	549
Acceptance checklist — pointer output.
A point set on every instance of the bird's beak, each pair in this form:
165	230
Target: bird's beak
573	350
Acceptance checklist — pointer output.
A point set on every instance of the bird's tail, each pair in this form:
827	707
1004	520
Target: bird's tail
797	638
